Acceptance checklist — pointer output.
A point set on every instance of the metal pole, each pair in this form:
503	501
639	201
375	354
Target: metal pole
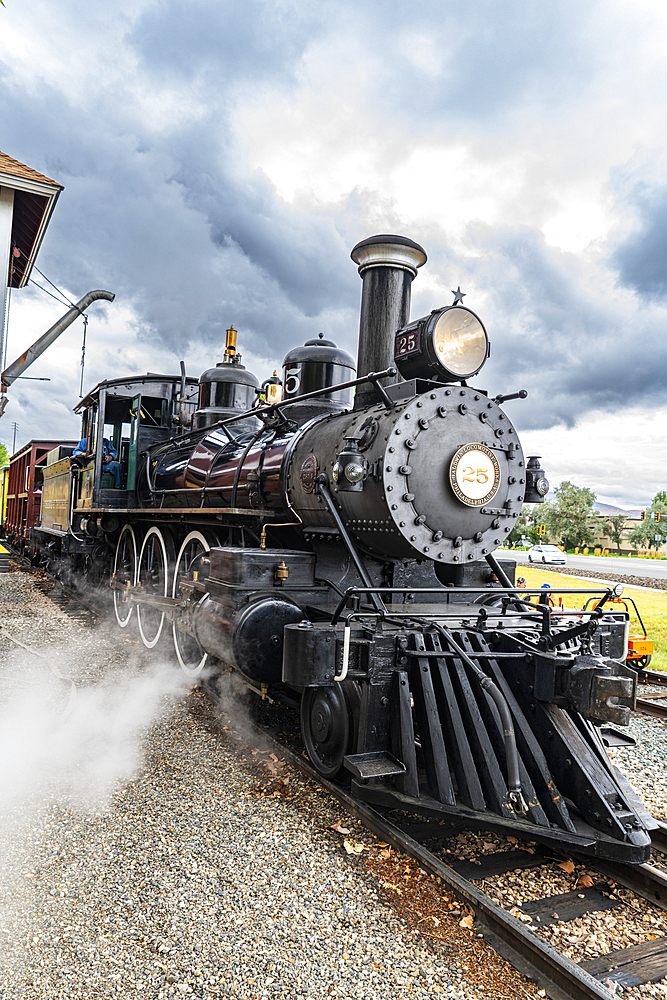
15	427
33	352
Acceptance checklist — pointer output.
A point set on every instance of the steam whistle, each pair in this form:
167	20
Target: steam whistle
230	346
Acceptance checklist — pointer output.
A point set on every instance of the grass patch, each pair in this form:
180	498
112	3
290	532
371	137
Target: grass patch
652	605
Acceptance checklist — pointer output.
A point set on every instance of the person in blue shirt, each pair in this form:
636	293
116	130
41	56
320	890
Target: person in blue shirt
109	456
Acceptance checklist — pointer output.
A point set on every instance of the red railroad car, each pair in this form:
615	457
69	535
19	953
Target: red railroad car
24	489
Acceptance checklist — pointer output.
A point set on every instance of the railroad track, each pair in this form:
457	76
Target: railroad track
509	934
649	704
75	605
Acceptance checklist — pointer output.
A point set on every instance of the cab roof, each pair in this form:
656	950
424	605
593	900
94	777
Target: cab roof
129	386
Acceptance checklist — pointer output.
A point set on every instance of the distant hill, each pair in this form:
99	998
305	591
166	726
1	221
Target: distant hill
605	508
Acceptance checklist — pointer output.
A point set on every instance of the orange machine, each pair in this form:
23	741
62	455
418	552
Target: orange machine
640	647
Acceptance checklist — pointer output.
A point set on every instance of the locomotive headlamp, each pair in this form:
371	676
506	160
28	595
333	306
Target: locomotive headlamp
354	472
449	345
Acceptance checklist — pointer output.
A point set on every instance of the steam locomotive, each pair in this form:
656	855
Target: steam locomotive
341	548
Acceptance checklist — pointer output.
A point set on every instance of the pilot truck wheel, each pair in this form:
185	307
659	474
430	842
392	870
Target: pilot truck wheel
329	719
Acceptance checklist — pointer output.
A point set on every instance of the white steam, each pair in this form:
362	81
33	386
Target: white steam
77	749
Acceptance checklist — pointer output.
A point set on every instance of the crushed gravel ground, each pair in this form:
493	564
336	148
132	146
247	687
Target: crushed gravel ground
149	847
645	765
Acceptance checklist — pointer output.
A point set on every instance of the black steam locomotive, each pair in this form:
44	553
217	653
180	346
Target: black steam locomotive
342	548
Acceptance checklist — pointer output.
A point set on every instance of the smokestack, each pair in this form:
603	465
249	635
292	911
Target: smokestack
387	265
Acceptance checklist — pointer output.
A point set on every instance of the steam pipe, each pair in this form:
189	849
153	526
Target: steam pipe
387	265
275	407
182	399
17	367
323	490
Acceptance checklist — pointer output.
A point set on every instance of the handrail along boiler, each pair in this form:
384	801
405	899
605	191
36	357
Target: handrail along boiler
342	548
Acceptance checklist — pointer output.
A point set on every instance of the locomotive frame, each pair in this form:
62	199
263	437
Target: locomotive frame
341	551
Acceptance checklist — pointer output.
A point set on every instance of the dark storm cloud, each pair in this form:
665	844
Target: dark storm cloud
494	60
176	234
554	334
158	208
225	41
160	212
641	257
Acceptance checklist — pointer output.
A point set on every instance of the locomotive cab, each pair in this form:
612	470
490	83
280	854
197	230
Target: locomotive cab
132	414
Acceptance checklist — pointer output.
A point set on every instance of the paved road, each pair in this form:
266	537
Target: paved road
650	568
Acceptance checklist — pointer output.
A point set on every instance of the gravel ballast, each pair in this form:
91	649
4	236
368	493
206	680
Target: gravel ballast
645	765
149	848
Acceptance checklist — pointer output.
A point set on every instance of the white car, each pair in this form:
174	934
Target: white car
547	554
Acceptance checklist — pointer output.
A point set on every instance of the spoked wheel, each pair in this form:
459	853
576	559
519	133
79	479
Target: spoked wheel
155	563
329	717
125	573
642	662
190	655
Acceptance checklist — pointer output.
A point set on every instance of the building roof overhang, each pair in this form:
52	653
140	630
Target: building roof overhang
35	197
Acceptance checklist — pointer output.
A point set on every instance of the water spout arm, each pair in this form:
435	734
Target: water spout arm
13	371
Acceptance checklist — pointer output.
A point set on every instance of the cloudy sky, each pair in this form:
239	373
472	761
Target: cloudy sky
221	157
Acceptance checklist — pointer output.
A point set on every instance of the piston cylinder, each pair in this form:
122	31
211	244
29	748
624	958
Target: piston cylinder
248	637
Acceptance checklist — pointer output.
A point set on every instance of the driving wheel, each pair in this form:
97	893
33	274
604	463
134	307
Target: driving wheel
124	574
155	568
191	564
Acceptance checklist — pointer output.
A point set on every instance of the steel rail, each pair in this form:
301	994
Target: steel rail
654	677
659	838
644	880
645	707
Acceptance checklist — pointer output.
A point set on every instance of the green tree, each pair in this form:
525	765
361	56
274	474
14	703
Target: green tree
4	456
531	515
643	535
615	523
568	517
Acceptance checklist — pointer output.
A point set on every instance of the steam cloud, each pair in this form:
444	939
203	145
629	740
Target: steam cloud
80	750
61	753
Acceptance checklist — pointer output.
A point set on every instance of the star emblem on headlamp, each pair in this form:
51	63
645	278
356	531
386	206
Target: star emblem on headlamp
458	296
